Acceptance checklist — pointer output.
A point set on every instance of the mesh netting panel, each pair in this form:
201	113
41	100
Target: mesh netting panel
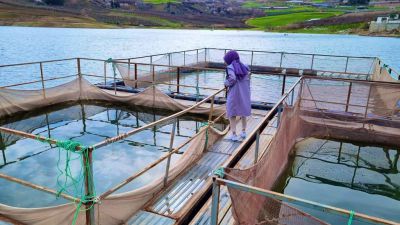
116	207
329	63
298	61
215	55
360	65
245	57
323	113
267	59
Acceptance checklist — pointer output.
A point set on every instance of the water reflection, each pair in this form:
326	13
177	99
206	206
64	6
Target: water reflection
87	123
362	178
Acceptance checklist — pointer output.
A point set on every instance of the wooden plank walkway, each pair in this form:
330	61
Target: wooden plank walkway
225	217
181	195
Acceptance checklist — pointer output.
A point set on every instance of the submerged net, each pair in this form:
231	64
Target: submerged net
115	208
330	109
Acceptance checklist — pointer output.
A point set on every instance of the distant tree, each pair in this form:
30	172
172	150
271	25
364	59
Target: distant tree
54	2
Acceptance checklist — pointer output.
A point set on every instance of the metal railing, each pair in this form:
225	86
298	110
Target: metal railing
87	159
322	63
217	182
288	99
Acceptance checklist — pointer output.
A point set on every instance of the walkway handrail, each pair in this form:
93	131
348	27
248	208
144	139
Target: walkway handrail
306	203
155	163
173	116
38	187
296	53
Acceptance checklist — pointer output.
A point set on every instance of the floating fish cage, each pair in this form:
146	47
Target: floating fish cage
137	140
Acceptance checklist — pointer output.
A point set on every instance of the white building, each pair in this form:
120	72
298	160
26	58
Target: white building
385	23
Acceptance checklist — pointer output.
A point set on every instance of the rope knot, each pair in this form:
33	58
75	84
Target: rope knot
220	172
109	60
70	145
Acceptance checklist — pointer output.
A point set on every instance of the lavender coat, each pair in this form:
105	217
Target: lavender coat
238	101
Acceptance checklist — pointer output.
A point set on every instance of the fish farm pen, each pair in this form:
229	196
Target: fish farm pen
144	141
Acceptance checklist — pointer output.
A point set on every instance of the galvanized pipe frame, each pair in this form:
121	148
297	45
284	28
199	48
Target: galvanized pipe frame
258	73
293	53
245	145
173	116
156	83
39	187
217	182
161	159
38	81
89	213
303	54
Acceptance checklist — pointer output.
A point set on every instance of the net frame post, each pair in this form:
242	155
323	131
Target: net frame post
171	145
115	78
136	75
279	112
347	64
312	61
215	201
281	60
348	96
178	75
105	73
42	79
366	107
78	63
251	61
129	69
89	189
197	57
292	97
257	147
205	56
283	84
211	109
184	58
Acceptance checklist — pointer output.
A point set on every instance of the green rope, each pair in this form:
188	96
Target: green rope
110	60
350	218
220	172
66	180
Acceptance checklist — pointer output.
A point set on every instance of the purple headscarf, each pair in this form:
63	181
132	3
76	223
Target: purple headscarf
232	57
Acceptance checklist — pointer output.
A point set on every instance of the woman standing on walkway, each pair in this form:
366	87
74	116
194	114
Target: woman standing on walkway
238	101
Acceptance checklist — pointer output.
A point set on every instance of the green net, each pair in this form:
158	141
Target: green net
66	181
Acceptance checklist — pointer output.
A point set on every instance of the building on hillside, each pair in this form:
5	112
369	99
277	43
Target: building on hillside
385	23
385	2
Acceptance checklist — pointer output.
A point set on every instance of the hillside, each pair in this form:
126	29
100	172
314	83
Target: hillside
278	16
152	13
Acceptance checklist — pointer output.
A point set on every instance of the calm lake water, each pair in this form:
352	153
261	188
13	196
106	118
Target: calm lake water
88	124
24	44
365	179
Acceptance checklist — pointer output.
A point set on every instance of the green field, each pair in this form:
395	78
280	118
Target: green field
294	9
271	22
331	29
250	4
